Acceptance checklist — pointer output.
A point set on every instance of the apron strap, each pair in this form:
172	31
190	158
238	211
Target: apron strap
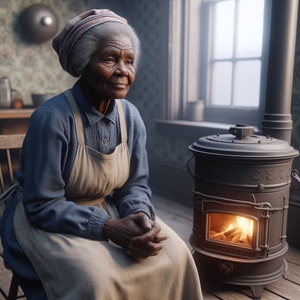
122	121
78	121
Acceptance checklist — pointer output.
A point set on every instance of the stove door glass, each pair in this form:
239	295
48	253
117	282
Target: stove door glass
230	229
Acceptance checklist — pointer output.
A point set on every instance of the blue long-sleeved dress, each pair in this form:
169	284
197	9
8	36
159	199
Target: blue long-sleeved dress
47	157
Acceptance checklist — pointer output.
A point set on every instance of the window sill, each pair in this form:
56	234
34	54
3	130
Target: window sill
191	129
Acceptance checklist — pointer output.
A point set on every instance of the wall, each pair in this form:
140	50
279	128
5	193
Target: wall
31	67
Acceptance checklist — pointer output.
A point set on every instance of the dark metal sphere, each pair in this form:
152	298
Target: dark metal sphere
39	22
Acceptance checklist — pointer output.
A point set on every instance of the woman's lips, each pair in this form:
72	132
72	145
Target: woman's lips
118	85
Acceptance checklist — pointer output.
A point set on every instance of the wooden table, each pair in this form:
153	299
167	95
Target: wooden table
14	120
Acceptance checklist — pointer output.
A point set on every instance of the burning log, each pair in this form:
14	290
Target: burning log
234	235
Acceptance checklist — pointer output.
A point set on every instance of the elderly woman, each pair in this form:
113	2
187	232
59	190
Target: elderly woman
80	224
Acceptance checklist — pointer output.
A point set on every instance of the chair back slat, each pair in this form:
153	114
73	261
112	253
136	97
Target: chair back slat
11	141
10	149
1	181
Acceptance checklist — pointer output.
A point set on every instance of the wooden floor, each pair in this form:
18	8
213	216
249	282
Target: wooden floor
180	218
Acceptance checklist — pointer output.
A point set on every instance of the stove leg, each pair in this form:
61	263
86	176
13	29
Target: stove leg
257	291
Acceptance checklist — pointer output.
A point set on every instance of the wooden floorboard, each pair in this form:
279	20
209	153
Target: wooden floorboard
180	218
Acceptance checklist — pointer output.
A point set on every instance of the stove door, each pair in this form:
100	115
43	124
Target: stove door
234	228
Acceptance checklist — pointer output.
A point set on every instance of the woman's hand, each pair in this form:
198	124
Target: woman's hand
135	232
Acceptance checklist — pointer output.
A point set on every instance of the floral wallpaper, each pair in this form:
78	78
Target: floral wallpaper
33	67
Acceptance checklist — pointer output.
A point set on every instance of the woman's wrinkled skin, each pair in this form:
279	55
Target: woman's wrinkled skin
110	72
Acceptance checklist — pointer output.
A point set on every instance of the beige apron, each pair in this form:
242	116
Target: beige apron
75	268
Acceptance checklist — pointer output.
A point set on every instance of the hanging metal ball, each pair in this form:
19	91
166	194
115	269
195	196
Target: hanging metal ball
39	22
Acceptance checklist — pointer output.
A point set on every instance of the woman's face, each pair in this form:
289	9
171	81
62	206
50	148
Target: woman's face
110	71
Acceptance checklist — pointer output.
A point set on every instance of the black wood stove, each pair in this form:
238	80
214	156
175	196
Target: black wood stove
241	199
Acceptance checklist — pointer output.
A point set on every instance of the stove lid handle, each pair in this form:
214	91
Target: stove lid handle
189	167
241	131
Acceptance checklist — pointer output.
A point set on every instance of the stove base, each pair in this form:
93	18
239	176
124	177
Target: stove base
252	273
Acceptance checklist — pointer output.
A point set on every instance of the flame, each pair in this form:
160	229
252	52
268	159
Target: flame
237	230
246	225
229	227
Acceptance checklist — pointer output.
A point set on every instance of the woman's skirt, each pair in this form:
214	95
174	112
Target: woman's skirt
71	267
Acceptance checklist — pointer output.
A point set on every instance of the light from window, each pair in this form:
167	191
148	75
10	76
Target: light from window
236	52
223	36
247	82
222	74
250	28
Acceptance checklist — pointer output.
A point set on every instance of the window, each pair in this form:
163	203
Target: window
234	60
221	45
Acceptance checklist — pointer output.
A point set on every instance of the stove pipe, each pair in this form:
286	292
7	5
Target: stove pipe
277	120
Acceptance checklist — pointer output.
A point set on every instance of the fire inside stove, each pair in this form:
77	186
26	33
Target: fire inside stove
230	229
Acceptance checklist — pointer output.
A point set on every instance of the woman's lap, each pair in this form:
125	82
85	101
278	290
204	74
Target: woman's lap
77	267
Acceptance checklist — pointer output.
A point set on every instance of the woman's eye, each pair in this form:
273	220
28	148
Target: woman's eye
129	62
109	60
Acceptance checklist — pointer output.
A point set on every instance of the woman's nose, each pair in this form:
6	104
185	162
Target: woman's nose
121	69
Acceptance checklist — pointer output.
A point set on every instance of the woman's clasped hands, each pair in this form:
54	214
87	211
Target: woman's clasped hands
136	233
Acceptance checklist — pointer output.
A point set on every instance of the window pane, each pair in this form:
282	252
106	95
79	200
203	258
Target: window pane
250	28
247	83
223	29
221	84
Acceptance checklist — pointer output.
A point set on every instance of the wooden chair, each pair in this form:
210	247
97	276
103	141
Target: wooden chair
10	150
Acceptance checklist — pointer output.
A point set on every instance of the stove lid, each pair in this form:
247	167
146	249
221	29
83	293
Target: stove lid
241	142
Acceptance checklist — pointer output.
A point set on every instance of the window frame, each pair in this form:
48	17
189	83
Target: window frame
187	67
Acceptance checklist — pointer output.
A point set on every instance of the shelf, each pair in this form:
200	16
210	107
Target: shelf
24	113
